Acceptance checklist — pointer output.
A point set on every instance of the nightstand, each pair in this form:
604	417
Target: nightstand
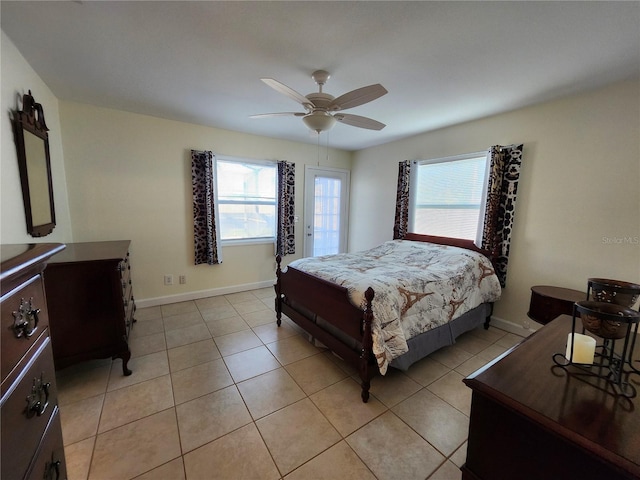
548	302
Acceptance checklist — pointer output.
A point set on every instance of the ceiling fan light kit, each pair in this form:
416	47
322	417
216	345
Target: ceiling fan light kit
320	106
319	121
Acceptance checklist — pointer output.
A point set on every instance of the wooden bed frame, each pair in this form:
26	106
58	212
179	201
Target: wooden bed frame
305	298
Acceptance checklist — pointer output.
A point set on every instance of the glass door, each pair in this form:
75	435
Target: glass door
326	206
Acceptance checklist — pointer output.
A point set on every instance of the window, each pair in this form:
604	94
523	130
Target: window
448	196
246	199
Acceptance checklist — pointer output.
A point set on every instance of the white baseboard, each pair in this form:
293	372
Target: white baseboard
512	327
183	297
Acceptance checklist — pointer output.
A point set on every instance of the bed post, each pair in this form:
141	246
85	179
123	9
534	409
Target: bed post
367	345
278	289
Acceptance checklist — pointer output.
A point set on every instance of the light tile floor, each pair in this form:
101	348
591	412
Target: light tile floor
219	391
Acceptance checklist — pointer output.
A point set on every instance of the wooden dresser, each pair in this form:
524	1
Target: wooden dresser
32	446
532	420
91	304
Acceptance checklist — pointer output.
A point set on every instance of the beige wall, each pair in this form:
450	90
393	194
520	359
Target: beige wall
578	209
129	177
18	78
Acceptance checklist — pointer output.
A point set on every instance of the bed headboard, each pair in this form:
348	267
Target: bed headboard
454	242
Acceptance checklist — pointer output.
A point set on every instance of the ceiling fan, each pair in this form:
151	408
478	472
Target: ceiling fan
323	110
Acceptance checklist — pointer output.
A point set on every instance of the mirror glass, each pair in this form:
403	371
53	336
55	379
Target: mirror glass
38	176
32	143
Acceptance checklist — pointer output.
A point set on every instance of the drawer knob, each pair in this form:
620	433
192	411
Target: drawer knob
38	400
25	319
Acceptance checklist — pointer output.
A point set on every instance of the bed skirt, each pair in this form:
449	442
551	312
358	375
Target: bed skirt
423	344
442	336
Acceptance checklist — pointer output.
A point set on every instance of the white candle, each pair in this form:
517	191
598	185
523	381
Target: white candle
583	350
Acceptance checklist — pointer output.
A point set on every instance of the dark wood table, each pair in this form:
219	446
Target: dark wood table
532	420
549	302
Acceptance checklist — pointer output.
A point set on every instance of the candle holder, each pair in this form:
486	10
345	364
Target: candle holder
621	293
611	322
613	291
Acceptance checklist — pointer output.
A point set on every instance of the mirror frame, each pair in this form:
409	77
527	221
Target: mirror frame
31	119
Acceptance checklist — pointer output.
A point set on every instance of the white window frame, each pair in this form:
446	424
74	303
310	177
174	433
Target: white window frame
414	182
253	161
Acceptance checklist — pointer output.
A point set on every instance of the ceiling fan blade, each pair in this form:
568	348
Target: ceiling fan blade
357	97
279	114
358	121
289	92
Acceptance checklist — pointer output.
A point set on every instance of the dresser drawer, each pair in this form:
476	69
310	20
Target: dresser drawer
14	347
127	297
49	462
24	420
126	282
125	273
125	269
130	311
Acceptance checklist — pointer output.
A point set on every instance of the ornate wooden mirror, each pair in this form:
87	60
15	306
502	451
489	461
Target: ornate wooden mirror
32	142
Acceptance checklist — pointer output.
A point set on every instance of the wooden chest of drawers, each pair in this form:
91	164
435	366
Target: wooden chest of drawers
32	444
91	304
533	420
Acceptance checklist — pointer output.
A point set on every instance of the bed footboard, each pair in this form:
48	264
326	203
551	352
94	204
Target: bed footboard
305	299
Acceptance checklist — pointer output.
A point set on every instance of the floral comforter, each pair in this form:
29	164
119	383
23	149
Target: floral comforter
418	286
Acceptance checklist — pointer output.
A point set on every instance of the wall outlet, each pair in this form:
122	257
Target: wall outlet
182	279
168	279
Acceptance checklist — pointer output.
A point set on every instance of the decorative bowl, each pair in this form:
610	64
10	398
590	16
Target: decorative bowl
606	320
614	291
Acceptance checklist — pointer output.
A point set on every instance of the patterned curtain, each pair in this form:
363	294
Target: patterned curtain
504	173
285	236
401	224
205	209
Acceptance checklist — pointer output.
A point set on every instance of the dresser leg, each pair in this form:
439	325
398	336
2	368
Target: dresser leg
125	356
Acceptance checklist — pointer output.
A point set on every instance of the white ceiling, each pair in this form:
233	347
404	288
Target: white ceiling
442	62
